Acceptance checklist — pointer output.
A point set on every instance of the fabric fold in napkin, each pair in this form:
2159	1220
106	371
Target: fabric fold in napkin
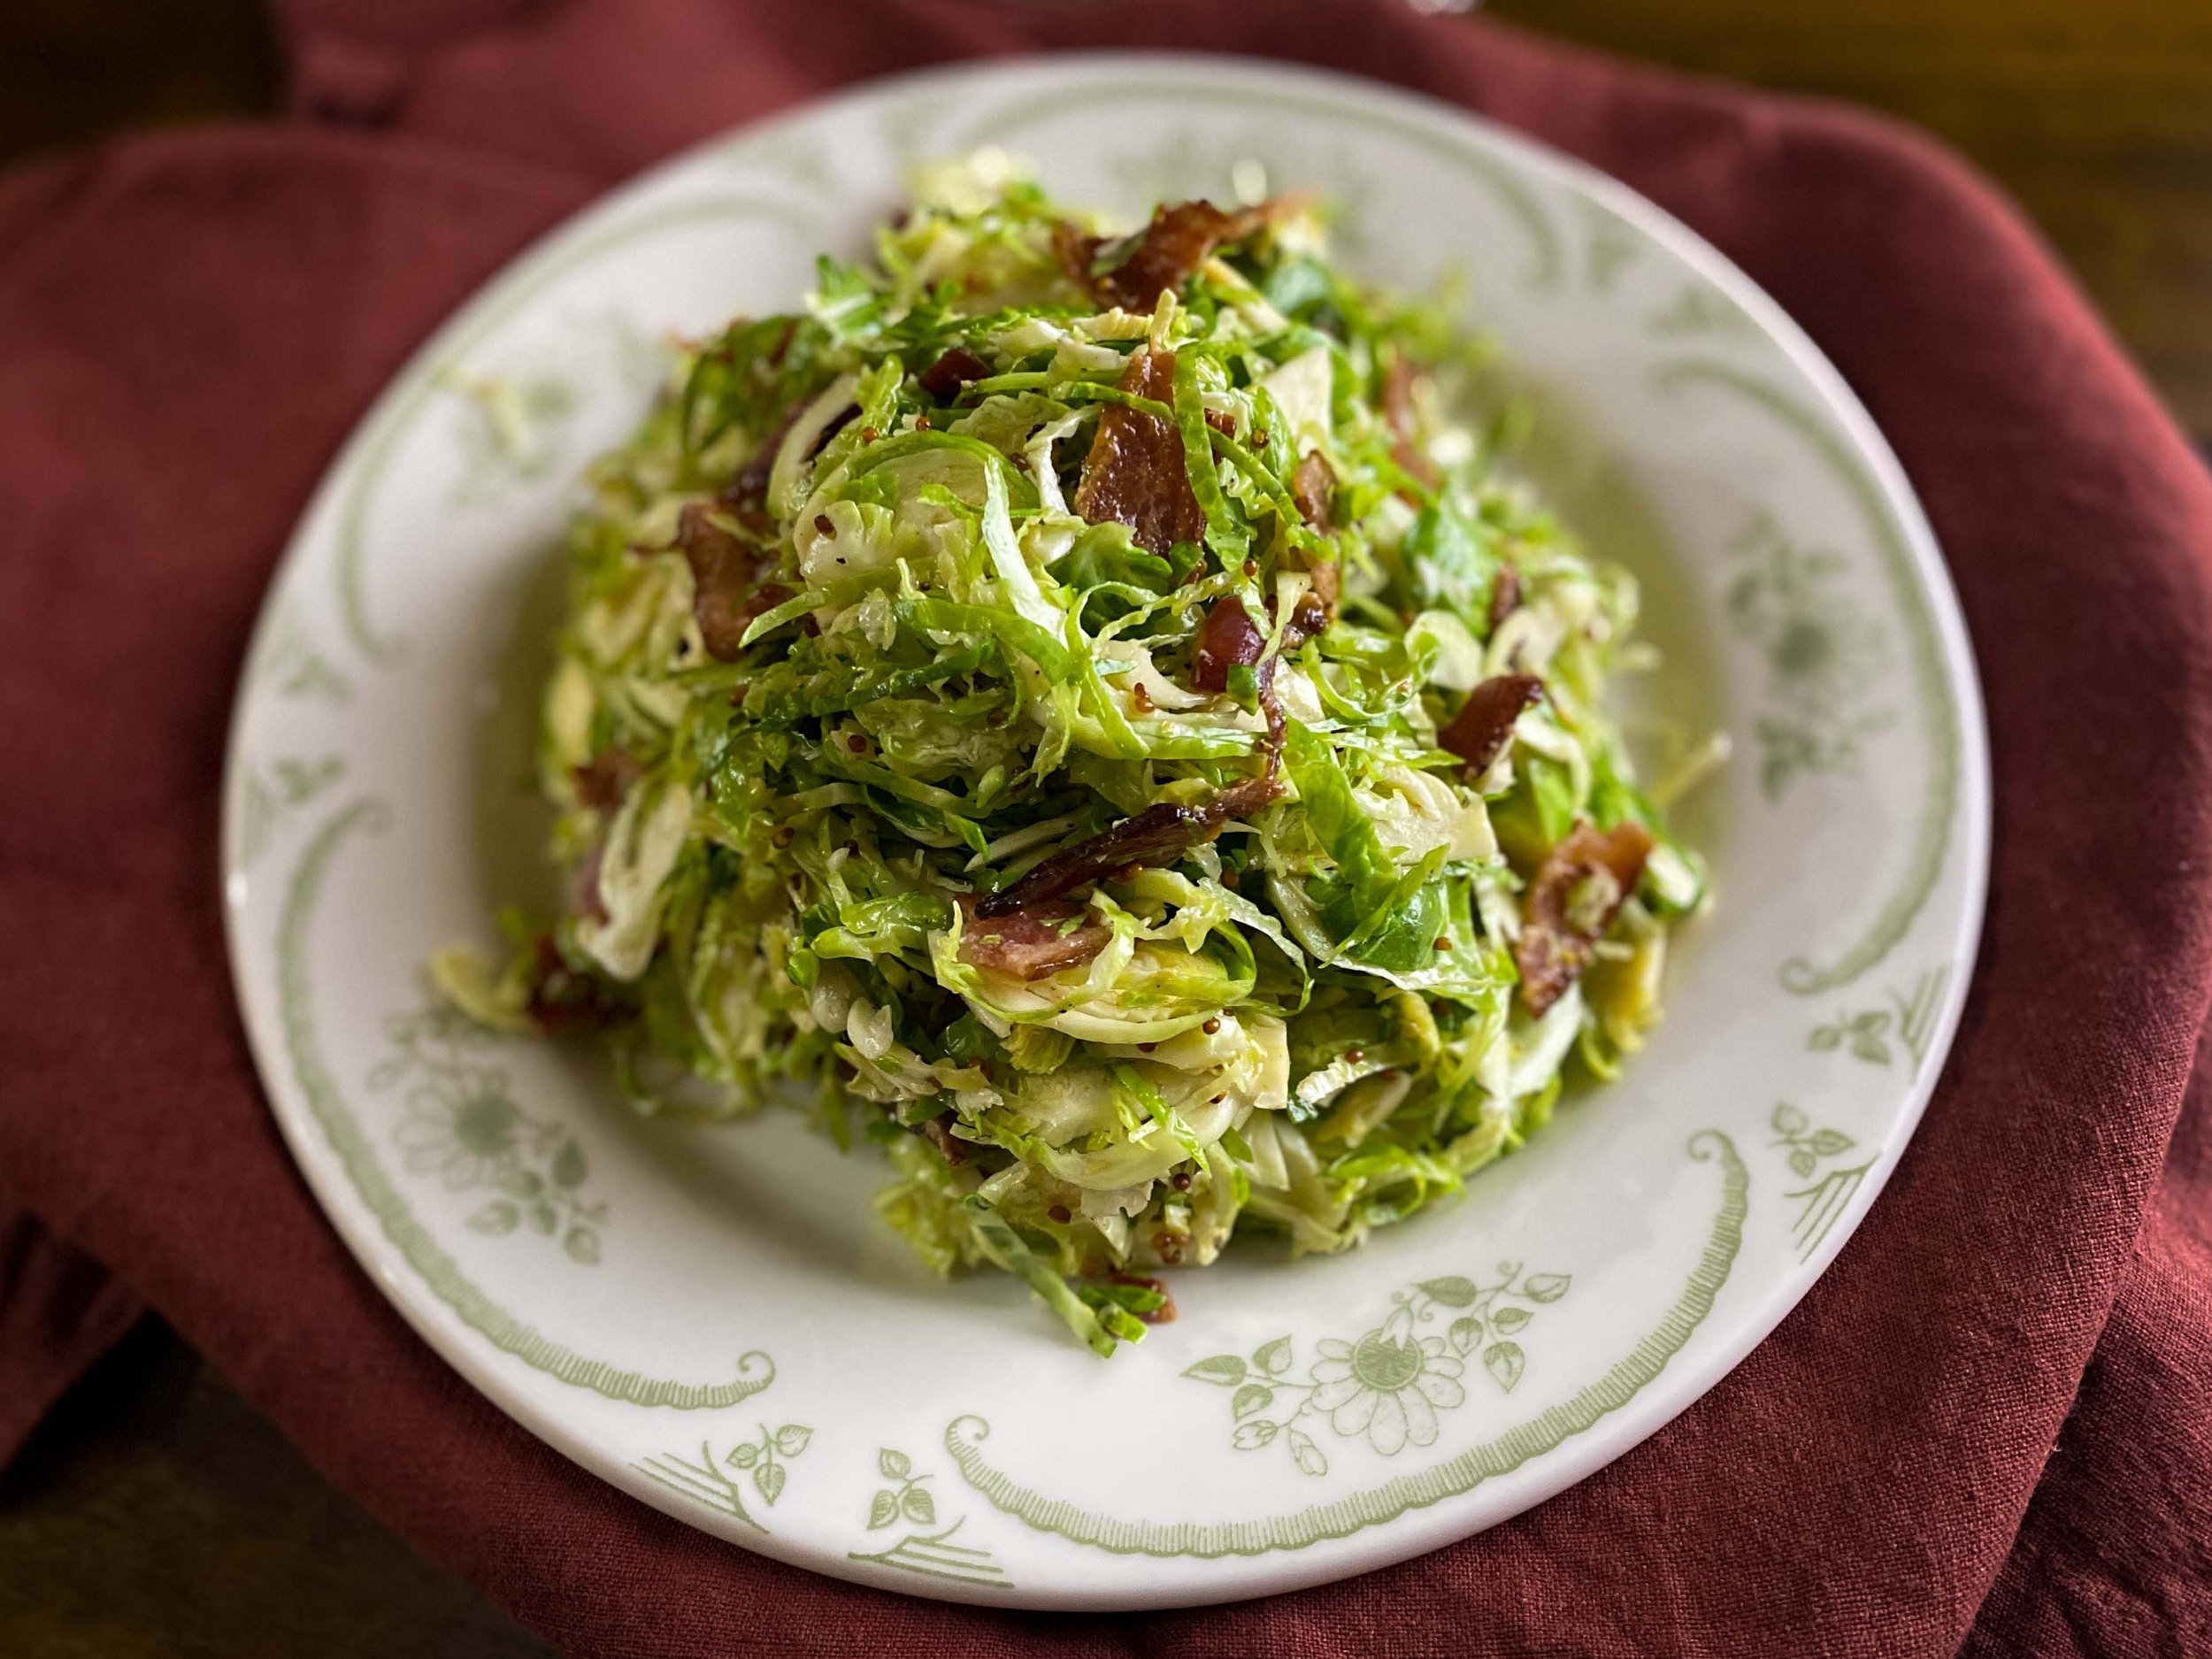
1990	1424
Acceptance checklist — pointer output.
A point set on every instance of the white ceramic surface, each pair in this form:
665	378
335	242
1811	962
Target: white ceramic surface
711	1318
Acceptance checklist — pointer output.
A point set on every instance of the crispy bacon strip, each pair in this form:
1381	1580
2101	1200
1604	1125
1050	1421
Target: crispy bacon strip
1483	726
584	896
943	378
1164	255
1312	487
1576	894
562	1000
1031	942
1227	639
1077	253
1398	412
938	1131
1316	608
724	569
745	496
605	778
1135	474
1160	834
1505	595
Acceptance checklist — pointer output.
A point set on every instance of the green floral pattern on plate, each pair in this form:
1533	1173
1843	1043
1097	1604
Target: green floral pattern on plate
310	1073
1937	701
717	1482
1700	310
362	469
285	659
271	794
1824	656
907	1509
1388	1385
1822	1202
464	1126
1339	1518
1875	1034
1611	247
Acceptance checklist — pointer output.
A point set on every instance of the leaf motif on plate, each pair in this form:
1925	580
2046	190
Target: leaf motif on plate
460	1124
1273	1357
1224	1371
1390	1386
923	1546
1505	1361
1826	1195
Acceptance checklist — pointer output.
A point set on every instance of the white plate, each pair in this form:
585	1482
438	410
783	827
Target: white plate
711	1318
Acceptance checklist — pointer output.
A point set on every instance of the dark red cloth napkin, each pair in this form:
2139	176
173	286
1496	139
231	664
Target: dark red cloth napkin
1989	1424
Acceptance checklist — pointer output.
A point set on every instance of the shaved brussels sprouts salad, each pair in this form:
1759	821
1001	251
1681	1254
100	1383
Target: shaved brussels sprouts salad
1091	708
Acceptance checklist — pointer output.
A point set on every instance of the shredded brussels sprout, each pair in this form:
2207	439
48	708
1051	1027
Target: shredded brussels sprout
1091	708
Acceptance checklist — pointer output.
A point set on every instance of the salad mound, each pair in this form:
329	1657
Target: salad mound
1090	706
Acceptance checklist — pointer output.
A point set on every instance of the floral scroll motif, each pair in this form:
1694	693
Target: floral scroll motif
516	425
1875	1035
287	658
513	431
716	1482
1701	309
907	1509
1822	1200
271	794
1388	1385
1824	656
462	1126
1611	245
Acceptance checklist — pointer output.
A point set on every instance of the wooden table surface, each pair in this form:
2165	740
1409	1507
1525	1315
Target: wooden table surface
156	1513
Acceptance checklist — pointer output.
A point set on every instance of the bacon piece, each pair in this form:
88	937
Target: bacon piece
1135	474
767	597
943	378
938	1131
1162	256
1312	484
561	999
1576	894
584	895
605	778
1028	941
1227	639
1505	595
1483	723
724	568
746	495
1398	412
1160	834
1077	254
1316	608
